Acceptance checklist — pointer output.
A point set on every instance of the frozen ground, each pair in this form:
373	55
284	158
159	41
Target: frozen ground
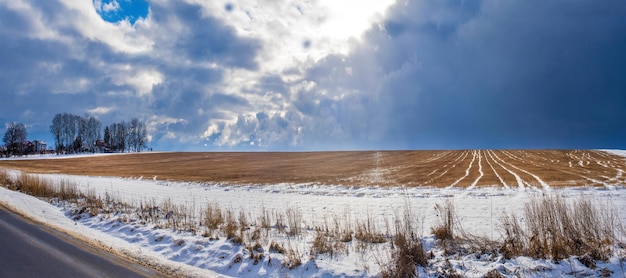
478	209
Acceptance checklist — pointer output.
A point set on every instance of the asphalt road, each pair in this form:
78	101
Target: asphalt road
28	249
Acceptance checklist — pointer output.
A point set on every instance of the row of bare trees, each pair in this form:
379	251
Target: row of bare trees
75	134
126	136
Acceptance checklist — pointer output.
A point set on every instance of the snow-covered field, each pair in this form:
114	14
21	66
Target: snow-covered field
479	210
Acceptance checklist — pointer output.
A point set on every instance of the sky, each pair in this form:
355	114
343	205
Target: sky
322	74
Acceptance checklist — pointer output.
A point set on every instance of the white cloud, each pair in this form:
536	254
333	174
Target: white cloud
73	85
144	80
106	7
100	110
111	6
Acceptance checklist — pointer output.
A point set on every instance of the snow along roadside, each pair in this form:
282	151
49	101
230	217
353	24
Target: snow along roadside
42	212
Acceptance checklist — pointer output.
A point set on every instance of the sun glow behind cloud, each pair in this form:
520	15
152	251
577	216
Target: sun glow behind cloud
300	31
350	18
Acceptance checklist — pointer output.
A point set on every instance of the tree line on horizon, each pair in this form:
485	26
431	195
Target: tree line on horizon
76	134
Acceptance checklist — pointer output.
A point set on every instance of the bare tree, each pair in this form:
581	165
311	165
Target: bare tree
108	139
57	131
90	132
14	138
70	131
119	136
138	135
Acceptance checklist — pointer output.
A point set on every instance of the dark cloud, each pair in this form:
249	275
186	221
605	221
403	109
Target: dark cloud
206	39
493	74
229	7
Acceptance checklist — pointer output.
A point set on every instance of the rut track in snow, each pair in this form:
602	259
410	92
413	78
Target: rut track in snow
536	169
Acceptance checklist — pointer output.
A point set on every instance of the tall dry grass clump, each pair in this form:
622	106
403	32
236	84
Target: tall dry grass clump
368	232
5	179
67	190
35	185
179	217
294	221
557	229
322	244
513	236
213	217
408	250
444	230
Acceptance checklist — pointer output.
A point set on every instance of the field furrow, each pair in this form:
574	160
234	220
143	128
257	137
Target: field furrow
539	169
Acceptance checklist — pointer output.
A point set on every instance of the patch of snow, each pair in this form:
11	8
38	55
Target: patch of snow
64	156
55	217
616	152
478	210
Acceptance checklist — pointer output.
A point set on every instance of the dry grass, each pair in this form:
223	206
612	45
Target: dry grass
294	221
408	251
321	244
446	226
360	168
407	255
552	228
213	217
35	185
5	179
367	231
276	247
557	229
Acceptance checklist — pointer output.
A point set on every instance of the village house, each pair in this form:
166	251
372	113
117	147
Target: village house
100	146
40	146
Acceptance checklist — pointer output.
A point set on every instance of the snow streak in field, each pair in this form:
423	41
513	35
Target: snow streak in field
541	182
526	169
520	182
494	170
467	171
457	160
480	170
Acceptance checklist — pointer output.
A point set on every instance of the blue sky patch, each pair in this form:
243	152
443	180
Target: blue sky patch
118	10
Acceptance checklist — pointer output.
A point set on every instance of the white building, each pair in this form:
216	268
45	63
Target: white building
40	146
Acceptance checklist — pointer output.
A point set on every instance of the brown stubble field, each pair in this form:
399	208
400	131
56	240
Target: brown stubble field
459	168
